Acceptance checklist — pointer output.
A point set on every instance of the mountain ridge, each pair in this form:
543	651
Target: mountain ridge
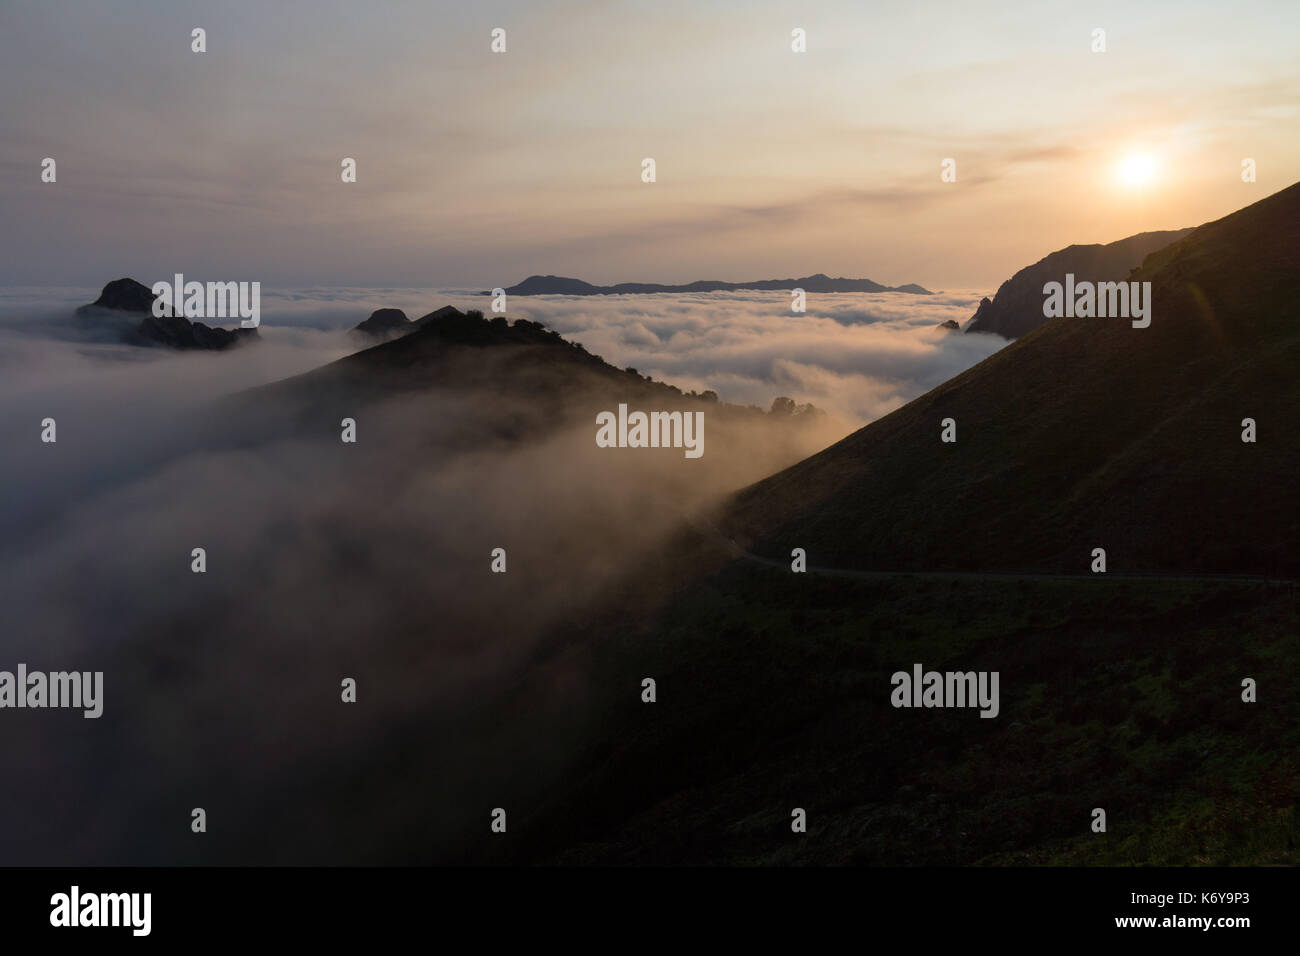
1084	433
1017	307
820	282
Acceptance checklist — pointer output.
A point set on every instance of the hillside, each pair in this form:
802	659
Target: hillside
518	362
1086	433
1017	307
1120	691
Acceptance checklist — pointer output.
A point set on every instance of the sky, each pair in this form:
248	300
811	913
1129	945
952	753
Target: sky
476	169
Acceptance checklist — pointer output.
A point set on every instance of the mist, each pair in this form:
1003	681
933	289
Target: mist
324	561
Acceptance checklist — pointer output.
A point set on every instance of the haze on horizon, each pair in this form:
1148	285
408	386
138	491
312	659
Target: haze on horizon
478	169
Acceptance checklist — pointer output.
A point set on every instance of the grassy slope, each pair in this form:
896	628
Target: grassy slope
1017	307
1087	433
774	693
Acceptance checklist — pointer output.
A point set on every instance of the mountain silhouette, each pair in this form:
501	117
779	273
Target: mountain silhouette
391	323
122	298
558	285
126	295
1017	307
383	322
1086	433
437	315
537	382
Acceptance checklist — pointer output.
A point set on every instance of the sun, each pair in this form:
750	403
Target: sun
1137	170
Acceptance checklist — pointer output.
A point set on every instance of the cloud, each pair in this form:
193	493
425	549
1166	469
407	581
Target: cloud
858	356
221	690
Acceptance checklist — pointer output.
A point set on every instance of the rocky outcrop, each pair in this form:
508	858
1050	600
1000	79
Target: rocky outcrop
122	299
125	295
175	332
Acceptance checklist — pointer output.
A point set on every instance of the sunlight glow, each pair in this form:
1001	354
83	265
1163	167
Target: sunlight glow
1137	170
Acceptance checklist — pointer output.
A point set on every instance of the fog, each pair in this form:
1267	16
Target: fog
859	356
328	560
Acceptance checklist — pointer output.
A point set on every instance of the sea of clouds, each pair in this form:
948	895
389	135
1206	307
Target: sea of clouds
859	356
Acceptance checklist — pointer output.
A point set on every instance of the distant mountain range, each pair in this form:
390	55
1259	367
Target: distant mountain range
559	285
1017	308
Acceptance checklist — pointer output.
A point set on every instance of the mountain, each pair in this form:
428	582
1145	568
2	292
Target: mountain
386	324
1125	693
523	379
177	332
449	349
383	322
125	295
437	315
1017	307
121	299
1086	433
558	285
